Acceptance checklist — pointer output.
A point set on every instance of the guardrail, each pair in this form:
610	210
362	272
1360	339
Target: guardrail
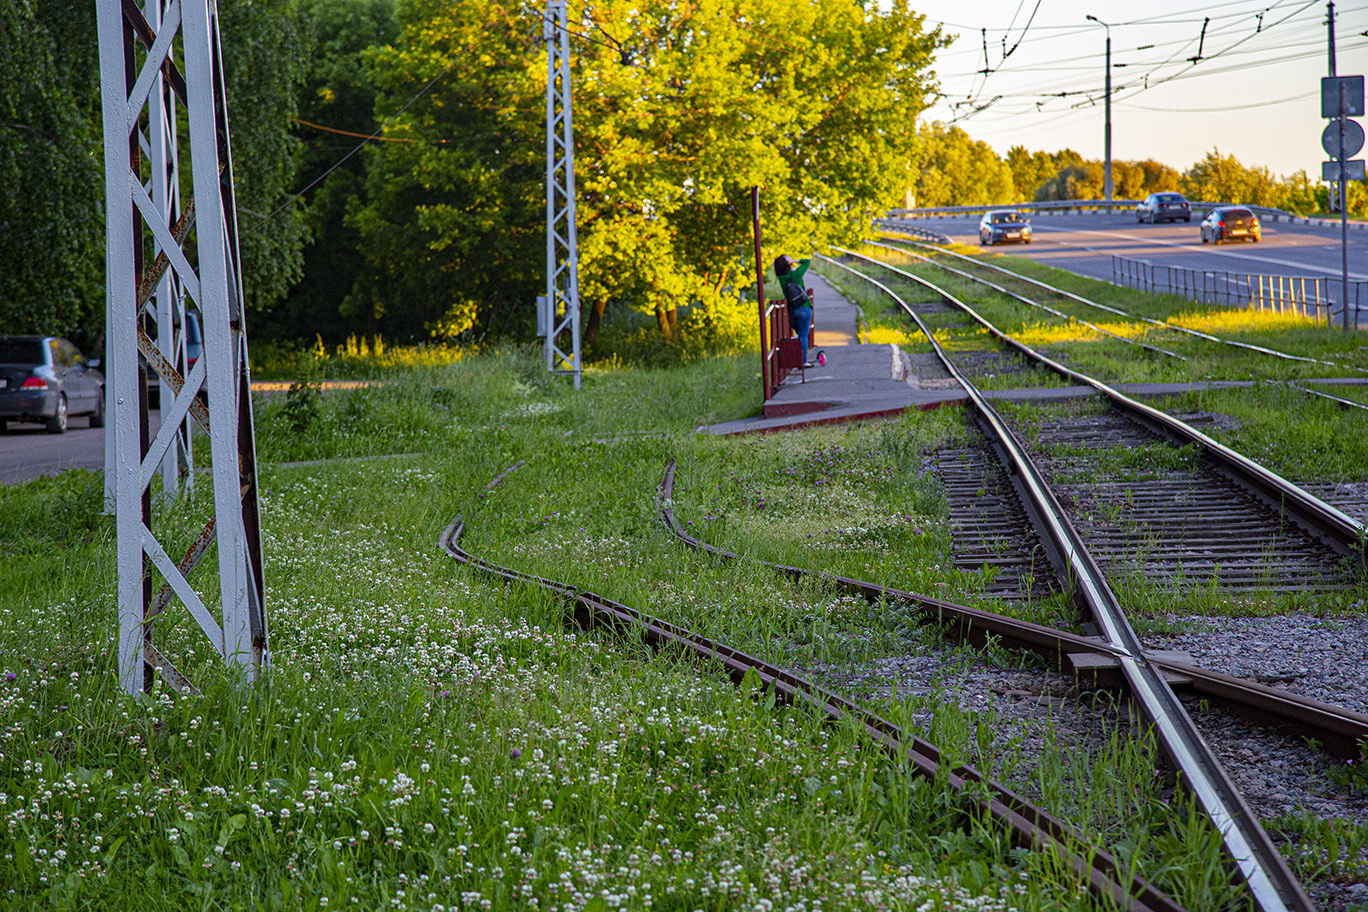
918	232
1306	295
1094	206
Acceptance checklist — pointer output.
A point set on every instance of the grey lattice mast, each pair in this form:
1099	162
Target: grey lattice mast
135	59
158	143
561	312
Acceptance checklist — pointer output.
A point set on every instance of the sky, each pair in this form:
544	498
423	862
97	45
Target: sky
1253	92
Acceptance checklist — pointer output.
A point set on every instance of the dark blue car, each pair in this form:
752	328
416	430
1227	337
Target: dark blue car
46	380
1004	226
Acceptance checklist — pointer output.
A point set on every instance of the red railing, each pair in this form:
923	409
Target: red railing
781	349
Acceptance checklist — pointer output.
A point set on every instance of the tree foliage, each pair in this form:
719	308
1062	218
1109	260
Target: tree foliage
954	169
336	113
1032	169
678	110
51	174
265	61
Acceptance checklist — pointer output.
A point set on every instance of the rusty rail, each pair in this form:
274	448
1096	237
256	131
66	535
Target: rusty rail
1030	826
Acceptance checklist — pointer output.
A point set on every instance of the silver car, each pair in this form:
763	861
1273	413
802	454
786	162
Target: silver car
47	380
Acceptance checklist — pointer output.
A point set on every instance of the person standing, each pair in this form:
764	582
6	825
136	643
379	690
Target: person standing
790	275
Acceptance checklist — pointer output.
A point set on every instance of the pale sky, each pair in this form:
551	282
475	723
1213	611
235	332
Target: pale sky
1254	94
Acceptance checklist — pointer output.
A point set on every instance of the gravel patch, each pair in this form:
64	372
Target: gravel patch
1036	711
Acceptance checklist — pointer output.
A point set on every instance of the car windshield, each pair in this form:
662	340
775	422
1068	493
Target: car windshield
1169	198
21	351
1238	213
1006	218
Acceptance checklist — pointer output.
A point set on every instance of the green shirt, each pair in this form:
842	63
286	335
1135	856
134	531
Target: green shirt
795	275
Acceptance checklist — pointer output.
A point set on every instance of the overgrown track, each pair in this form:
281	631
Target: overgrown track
1029	825
1090	658
1270	880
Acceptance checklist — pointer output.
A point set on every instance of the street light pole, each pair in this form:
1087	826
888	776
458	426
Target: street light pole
1106	134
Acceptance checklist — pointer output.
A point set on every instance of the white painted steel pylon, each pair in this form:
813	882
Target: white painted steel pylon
136	71
158	144
562	249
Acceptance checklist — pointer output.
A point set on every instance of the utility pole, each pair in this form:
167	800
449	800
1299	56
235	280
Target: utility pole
561	311
1106	134
199	245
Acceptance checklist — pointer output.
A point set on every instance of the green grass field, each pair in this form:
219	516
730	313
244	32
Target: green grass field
427	739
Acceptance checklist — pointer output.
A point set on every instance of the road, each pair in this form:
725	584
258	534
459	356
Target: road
28	451
1085	244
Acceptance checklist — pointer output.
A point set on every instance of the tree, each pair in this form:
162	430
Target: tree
679	110
265	60
336	113
956	170
1081	181
51	174
1031	169
1220	178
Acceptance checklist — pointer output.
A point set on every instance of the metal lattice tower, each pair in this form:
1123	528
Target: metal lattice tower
143	92
167	304
562	251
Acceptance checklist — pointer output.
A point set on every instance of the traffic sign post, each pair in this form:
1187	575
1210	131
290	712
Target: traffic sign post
1341	99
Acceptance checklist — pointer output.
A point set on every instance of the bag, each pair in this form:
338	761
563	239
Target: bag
796	296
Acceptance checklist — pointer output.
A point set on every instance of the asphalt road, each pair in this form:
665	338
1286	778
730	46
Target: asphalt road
1085	244
28	451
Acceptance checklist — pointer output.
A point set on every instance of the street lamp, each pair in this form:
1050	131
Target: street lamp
1106	136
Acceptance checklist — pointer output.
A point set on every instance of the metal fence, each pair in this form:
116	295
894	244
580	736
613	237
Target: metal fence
1312	296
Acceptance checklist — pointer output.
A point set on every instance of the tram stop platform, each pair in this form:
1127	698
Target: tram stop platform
867	381
859	381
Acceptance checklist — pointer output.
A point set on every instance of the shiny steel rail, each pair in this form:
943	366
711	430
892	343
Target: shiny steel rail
1271	883
1030	826
1340	731
1331	525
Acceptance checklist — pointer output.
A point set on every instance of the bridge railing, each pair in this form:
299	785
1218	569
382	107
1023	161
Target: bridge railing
1059	207
1310	296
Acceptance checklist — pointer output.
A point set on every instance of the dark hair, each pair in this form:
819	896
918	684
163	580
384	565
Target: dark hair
783	265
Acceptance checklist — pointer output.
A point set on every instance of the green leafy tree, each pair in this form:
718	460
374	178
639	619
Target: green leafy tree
51	172
336	114
265	62
679	110
1221	178
1084	180
957	170
1031	169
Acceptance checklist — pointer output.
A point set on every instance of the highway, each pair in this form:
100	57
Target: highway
1086	243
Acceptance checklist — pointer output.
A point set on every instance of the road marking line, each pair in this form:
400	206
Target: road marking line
1202	248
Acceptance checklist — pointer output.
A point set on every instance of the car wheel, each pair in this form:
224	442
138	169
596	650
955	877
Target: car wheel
1254	238
4	425
1188	219
1026	241
57	424
1204	238
97	417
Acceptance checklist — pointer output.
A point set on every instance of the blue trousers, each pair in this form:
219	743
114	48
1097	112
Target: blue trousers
801	321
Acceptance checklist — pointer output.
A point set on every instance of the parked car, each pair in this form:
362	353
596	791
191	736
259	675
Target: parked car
1163	207
45	379
194	348
1004	225
1227	222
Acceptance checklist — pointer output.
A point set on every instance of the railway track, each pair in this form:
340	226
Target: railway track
1029	825
1270	881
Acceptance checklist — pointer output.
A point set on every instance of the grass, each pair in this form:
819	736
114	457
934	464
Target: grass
427	739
